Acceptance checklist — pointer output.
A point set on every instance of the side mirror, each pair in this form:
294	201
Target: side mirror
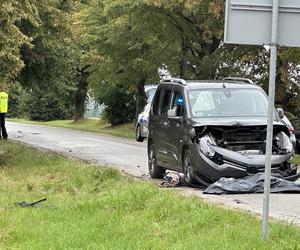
280	112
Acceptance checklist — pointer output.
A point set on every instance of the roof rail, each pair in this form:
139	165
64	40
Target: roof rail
238	79
175	80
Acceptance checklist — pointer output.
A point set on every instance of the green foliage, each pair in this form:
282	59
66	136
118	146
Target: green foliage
119	104
47	46
50	63
12	38
18	99
130	40
48	106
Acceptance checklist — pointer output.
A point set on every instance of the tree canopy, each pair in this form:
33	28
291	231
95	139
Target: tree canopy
63	49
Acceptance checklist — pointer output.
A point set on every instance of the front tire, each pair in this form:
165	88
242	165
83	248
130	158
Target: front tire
187	167
155	171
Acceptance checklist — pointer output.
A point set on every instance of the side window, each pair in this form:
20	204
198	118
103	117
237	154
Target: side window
177	103
156	102
165	102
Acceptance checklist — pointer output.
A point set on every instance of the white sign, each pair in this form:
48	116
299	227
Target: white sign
250	22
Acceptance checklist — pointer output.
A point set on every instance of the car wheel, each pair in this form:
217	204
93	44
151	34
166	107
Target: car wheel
154	170
138	134
188	169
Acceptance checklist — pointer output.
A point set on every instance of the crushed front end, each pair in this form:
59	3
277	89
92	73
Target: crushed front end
239	151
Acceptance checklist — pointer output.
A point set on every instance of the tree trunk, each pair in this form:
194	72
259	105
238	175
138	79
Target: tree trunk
80	96
141	97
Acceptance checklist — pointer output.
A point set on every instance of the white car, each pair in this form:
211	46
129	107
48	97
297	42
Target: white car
141	128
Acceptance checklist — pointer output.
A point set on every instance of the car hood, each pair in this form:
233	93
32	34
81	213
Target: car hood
238	121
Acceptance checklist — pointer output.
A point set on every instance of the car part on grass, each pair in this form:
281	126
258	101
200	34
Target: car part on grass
251	184
30	204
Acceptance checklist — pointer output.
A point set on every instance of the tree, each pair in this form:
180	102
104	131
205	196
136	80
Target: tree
12	38
51	60
131	40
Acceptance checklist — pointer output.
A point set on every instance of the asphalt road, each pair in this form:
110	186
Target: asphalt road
131	157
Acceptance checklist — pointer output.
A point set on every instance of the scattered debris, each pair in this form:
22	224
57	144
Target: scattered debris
30	204
172	179
19	135
251	184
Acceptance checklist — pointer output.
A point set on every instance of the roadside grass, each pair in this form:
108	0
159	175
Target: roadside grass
89	125
92	207
296	160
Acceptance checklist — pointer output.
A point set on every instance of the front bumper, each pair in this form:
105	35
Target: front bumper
237	165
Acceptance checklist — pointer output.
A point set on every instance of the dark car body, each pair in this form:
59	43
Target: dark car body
233	146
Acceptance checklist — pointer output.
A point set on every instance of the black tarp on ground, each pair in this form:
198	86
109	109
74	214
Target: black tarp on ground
251	184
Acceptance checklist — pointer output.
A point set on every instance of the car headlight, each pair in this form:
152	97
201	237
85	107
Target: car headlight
204	145
284	143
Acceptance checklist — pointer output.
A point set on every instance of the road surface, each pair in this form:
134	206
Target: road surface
131	157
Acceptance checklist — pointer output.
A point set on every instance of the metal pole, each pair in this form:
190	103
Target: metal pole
272	76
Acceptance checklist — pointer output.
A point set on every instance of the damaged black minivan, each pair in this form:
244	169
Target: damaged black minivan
214	129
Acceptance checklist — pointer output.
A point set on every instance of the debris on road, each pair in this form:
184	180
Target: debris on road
251	184
172	179
19	135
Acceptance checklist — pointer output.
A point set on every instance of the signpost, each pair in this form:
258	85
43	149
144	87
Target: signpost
264	22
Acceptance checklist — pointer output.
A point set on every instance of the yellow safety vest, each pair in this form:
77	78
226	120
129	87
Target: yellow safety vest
3	102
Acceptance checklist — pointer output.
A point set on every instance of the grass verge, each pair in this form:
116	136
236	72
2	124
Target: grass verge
97	208
296	160
89	125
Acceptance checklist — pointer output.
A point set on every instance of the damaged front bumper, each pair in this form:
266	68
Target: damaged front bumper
227	163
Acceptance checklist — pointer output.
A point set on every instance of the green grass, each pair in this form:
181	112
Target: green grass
98	208
90	125
296	160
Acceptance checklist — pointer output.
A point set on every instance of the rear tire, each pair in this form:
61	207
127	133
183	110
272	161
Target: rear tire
187	167
138	134
155	171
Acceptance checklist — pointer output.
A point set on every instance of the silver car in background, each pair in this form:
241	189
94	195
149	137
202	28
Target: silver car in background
291	129
141	128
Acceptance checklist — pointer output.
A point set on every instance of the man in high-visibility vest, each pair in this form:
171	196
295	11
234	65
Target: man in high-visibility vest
3	111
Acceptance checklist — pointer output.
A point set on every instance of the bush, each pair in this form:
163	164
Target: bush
119	104
49	107
18	100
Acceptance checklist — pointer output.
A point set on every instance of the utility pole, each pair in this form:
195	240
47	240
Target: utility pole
272	77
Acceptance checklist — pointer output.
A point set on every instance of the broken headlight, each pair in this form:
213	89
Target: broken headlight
283	142
204	145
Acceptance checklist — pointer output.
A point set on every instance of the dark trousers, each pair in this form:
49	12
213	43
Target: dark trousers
3	132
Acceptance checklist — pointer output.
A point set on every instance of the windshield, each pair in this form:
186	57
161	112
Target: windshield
228	103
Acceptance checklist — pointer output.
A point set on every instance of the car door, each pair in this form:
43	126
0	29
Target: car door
161	127
174	132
